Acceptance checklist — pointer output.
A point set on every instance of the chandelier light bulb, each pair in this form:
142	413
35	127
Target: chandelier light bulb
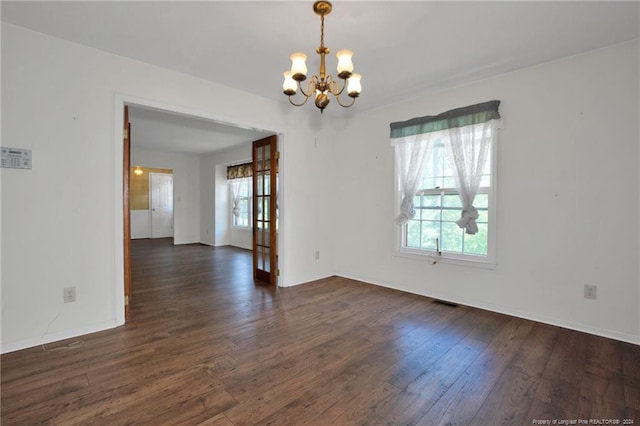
345	66
298	66
289	87
353	85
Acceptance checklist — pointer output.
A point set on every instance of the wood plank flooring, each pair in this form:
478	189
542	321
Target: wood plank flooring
208	346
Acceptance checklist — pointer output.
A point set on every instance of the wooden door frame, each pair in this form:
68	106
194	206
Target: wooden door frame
126	212
120	100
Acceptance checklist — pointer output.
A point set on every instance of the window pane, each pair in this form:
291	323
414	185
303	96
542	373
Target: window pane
452	200
451	237
481	200
477	244
483	216
431	201
416	201
430	231
413	234
449	181
451	215
430	214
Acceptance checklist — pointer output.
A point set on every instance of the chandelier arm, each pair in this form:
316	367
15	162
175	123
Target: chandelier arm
335	84
310	87
300	104
353	101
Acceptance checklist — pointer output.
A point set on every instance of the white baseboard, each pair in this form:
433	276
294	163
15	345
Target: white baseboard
55	337
611	334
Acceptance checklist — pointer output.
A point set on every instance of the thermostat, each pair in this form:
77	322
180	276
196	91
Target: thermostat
16	158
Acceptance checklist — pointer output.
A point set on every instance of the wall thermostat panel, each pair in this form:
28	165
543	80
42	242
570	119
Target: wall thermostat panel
16	158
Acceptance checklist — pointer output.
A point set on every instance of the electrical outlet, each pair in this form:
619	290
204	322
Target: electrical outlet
590	291
69	294
317	254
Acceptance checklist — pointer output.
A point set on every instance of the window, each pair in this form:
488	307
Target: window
445	182
240	179
241	202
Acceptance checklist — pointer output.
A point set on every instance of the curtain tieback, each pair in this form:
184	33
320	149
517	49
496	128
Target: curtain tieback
407	211
468	220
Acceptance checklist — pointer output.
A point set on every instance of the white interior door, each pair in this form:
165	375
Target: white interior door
161	200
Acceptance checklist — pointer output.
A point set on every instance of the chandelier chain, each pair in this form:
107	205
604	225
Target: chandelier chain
322	31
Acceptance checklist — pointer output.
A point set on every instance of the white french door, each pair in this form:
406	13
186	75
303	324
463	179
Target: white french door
161	203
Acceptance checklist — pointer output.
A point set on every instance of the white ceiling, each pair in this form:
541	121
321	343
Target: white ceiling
169	132
402	49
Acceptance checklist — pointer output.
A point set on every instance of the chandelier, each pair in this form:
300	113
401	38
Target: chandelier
320	86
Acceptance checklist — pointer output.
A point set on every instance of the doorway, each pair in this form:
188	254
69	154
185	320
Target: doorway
199	121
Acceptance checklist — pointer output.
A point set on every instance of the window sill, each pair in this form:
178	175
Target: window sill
433	258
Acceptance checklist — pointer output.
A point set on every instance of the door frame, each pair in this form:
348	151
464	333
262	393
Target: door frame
120	100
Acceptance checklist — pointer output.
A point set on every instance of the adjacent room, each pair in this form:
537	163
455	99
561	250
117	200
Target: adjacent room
447	233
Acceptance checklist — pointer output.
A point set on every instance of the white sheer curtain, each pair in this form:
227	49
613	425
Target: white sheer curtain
236	188
410	155
467	133
469	148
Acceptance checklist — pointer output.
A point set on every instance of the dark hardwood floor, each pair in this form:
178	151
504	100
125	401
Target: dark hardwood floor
208	346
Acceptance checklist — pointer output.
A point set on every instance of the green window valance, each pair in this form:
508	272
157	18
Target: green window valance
459	117
240	171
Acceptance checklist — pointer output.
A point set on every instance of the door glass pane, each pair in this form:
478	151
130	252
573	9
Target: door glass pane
258	188
259	215
267	184
266	239
267	158
267	265
265	207
260	257
261	158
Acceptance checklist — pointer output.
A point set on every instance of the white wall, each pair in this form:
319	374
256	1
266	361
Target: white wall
215	224
140	224
568	188
568	180
186	189
59	100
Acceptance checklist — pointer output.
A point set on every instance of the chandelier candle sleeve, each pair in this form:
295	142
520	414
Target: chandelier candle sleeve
321	85
289	86
353	86
298	66
345	66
